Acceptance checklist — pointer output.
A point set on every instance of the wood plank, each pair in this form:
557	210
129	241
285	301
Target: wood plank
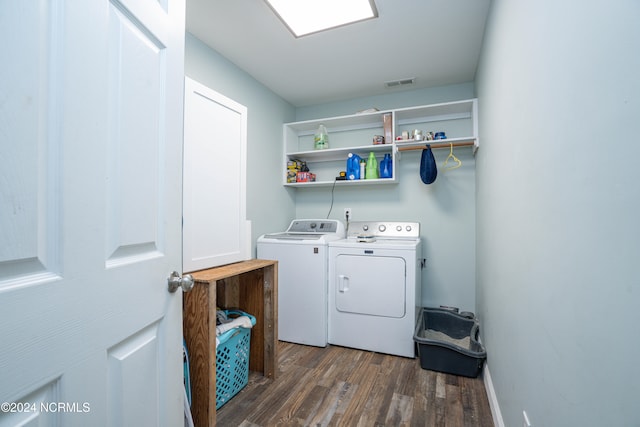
196	323
304	397
309	405
335	366
270	319
400	411
364	377
387	382
229	270
440	401
237	408
338	386
252	297
346	391
379	400
453	404
228	292
423	387
328	404
277	397
290	355
475	402
406	376
441	389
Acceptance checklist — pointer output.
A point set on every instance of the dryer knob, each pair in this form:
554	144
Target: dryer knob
365	227
382	227
399	228
408	228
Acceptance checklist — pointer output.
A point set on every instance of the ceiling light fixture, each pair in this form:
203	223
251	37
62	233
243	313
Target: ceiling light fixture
311	16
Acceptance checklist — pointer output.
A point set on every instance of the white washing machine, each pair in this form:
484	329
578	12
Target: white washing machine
375	287
302	256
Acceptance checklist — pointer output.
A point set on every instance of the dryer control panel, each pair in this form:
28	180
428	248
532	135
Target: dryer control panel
384	229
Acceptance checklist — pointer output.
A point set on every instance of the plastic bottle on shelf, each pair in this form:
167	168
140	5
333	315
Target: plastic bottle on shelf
372	167
386	167
362	166
321	138
353	167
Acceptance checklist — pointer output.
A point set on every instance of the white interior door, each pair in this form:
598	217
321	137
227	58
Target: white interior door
216	230
91	95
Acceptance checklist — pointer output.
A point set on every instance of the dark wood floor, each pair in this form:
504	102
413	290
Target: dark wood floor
337	386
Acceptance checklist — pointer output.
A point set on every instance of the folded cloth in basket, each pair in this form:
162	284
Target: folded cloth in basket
241	321
221	317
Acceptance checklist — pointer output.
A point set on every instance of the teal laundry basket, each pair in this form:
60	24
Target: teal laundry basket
187	377
232	360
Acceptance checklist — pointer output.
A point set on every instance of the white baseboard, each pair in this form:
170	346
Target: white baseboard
493	399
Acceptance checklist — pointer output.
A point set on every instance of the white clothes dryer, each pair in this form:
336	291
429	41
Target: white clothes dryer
302	257
375	287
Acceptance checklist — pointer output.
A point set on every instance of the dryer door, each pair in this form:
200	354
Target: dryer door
370	285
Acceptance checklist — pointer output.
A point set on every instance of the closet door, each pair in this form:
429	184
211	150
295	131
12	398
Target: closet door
215	231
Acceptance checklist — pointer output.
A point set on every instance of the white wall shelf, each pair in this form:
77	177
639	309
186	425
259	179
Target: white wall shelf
342	182
354	134
332	154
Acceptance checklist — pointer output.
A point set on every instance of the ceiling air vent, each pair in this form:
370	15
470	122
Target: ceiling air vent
398	83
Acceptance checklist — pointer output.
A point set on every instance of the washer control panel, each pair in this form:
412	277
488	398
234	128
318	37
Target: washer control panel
384	229
321	226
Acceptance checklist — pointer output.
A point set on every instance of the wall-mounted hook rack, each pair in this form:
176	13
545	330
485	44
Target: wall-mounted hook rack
440	143
422	144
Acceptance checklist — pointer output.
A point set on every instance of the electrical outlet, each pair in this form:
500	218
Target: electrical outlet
347	213
525	419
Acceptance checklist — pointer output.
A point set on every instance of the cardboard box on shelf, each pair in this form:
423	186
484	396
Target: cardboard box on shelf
305	177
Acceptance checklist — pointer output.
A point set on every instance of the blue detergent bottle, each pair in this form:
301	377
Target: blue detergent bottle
353	167
386	167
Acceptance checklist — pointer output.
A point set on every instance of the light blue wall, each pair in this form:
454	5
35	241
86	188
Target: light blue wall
445	209
269	205
558	200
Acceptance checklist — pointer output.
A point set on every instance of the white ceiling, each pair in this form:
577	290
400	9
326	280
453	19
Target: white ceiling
436	41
